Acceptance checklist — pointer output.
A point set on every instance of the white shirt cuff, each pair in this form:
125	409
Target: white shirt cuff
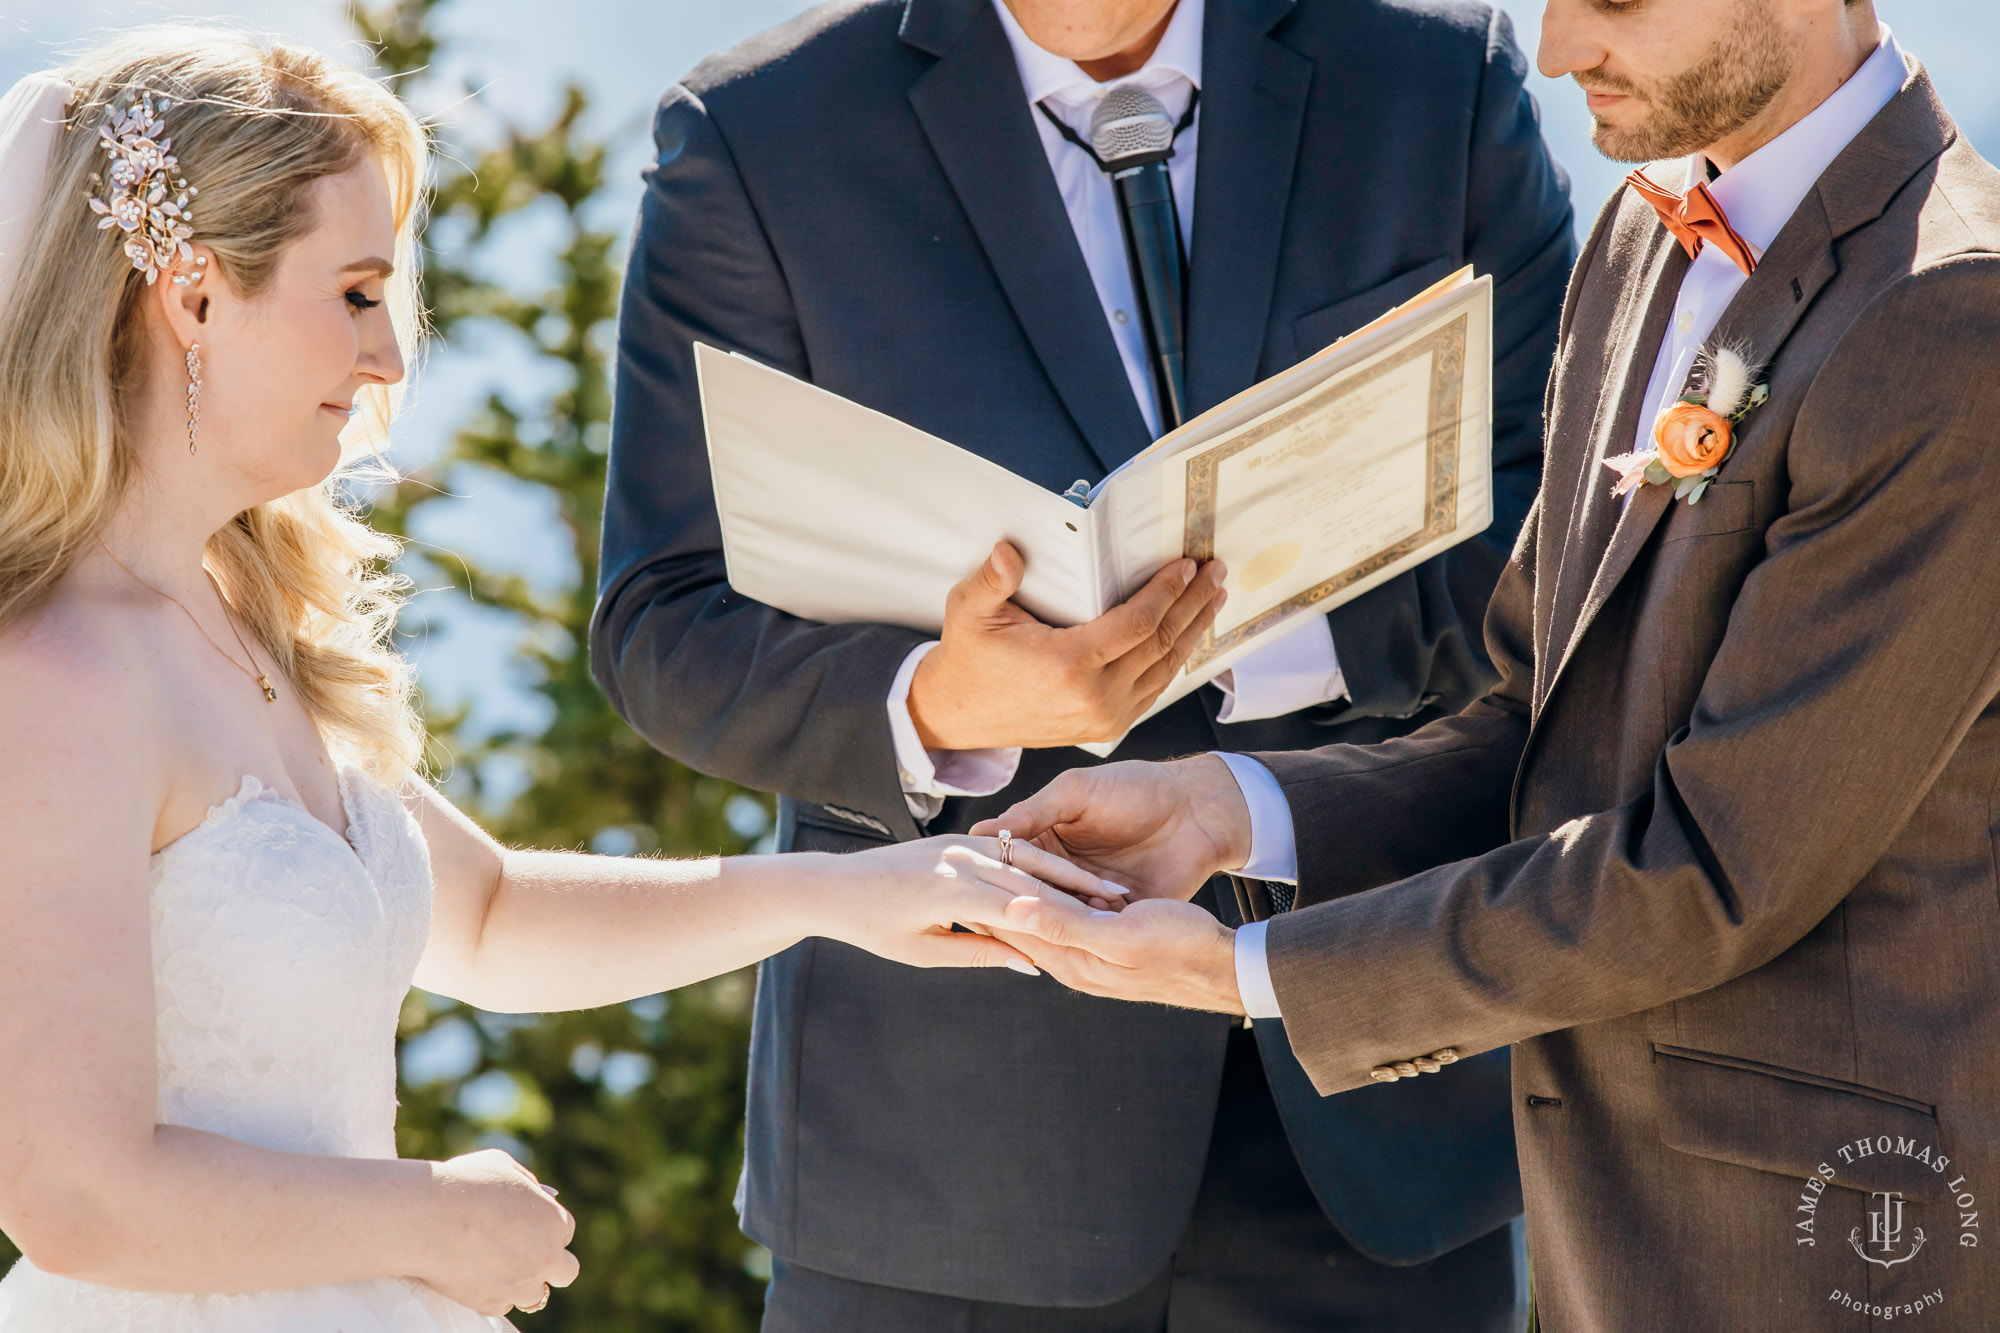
1253	972
928	776
1296	670
1274	853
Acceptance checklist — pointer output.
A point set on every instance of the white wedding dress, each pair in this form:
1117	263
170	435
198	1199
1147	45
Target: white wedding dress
281	955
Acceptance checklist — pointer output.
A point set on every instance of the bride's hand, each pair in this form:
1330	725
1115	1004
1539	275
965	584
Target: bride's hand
901	902
503	1239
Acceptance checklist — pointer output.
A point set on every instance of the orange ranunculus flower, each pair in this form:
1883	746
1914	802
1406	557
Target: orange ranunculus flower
1691	439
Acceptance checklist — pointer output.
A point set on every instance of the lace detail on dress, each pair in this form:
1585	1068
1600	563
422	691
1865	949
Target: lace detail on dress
282	951
281	954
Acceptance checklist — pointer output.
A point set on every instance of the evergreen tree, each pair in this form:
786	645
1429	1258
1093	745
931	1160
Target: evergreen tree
634	1112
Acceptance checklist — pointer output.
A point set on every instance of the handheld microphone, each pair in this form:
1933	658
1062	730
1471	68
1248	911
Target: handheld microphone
1133	136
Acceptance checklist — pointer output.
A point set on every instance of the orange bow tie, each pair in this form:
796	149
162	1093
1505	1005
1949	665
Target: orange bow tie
1696	220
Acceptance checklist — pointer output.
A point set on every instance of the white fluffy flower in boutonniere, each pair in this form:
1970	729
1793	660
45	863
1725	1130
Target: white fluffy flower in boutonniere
1693	438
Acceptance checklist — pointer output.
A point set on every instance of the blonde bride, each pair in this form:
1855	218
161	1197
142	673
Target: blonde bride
223	866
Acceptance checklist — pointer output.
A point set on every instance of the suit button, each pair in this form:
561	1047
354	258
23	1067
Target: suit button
1383	1074
1447	1056
1428	1065
1405	1069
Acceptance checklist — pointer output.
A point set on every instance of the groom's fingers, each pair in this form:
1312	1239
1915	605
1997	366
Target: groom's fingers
1066	925
1072	967
1058	803
946	949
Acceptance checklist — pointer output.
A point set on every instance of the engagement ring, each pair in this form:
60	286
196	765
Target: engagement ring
1006	848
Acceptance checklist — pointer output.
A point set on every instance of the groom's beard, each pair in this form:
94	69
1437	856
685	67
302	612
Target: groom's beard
1741	74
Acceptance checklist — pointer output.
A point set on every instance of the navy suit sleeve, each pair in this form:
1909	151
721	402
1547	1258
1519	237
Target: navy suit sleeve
1518	227
723	683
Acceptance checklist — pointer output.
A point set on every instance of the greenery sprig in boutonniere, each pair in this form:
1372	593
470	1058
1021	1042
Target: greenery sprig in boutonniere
1693	438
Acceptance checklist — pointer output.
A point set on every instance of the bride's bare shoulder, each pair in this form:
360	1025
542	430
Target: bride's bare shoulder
75	714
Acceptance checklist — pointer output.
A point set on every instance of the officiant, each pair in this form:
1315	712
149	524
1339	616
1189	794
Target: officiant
937	209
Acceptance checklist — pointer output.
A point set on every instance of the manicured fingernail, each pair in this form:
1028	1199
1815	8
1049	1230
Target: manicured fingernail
1026	969
1097	913
1111	890
553	1191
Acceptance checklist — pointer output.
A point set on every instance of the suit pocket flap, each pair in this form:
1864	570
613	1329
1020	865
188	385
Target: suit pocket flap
1331	323
1730	1109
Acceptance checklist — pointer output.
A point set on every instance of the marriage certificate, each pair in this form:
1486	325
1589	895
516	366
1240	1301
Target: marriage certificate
1324	494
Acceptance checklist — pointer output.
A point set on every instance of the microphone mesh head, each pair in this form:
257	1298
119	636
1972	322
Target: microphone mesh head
1128	122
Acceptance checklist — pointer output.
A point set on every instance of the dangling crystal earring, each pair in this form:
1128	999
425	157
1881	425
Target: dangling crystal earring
194	392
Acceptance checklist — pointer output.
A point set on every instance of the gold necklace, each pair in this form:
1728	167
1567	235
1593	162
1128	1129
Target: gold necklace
263	680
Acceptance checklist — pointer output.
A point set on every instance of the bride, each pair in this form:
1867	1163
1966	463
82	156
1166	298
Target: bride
223	870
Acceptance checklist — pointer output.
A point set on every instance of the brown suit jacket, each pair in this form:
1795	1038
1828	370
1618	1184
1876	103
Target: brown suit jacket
1718	855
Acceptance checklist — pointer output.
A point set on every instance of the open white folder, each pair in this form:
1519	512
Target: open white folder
1314	486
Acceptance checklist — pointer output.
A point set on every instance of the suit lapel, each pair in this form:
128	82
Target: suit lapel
1253	107
1615	422
973	111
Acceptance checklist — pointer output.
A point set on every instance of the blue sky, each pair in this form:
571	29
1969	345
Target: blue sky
627	53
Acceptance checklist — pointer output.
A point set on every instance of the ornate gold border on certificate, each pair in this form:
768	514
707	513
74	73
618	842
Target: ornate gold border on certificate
1446	348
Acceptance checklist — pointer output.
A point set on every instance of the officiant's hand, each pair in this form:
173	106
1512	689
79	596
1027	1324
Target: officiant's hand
1000	678
1159	830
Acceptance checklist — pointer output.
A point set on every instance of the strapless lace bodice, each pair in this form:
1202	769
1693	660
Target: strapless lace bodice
281	955
282	951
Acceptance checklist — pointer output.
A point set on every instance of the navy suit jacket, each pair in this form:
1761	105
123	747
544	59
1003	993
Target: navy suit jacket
860	199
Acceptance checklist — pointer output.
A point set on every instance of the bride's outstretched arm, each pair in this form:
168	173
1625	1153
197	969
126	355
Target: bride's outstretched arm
524	931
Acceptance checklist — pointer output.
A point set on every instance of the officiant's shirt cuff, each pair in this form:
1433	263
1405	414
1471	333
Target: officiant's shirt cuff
1253	972
1296	670
1273	853
928	776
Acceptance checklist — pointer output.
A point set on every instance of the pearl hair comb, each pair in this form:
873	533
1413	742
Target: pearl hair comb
149	197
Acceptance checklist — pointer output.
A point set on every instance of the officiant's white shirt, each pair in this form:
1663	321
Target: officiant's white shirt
1759	195
1299	668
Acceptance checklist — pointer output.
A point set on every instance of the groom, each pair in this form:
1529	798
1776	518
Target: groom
1717	855
886	198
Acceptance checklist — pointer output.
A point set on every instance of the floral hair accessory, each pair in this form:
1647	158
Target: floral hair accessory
149	196
1693	438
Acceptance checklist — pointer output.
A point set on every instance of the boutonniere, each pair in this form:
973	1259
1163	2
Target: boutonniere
1693	438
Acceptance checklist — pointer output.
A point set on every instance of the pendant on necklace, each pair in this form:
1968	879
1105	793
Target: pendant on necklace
270	692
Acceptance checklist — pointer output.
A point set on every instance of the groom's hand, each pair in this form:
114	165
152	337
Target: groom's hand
1158	830
1156	952
1000	678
